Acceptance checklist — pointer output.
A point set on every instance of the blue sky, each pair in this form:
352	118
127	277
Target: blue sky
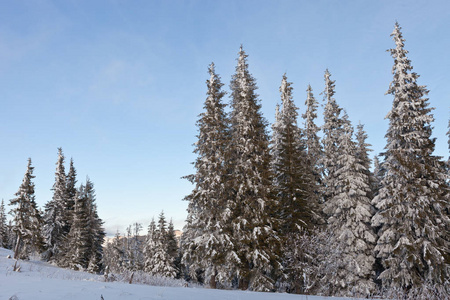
119	84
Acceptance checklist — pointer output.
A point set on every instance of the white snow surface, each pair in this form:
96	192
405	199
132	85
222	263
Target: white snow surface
39	280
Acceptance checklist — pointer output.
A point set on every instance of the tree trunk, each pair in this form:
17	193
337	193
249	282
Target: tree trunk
212	281
243	284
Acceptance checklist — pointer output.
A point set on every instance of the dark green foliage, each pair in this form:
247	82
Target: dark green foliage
83	245
293	178
96	232
71	192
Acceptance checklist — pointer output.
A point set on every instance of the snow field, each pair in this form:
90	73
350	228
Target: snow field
41	281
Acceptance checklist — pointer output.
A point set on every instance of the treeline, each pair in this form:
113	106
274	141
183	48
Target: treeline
301	212
68	232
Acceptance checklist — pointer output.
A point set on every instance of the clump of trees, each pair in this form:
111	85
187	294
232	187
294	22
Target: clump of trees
68	233
295	212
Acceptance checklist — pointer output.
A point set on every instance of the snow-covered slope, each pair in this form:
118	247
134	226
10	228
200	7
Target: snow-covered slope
41	281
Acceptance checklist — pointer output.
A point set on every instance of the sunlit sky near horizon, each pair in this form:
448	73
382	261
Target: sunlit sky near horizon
119	84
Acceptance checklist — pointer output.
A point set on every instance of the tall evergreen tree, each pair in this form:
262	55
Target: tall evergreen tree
412	228
274	146
253	235
209	246
350	213
77	242
292	175
312	140
332	130
293	181
55	217
27	218
3	228
71	192
96	231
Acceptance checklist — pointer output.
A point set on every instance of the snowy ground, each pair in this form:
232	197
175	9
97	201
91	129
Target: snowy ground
38	281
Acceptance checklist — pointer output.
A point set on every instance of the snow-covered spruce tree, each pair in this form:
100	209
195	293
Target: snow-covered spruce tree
96	232
293	180
27	218
412	235
350	213
274	146
250	183
362	154
71	191
313	147
162	226
172	246
292	175
187	248
3	228
55	216
77	241
332	130
207	246
312	140
149	247
160	264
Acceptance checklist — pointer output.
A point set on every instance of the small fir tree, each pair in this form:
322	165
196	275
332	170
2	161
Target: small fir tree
159	263
172	245
149	248
27	218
